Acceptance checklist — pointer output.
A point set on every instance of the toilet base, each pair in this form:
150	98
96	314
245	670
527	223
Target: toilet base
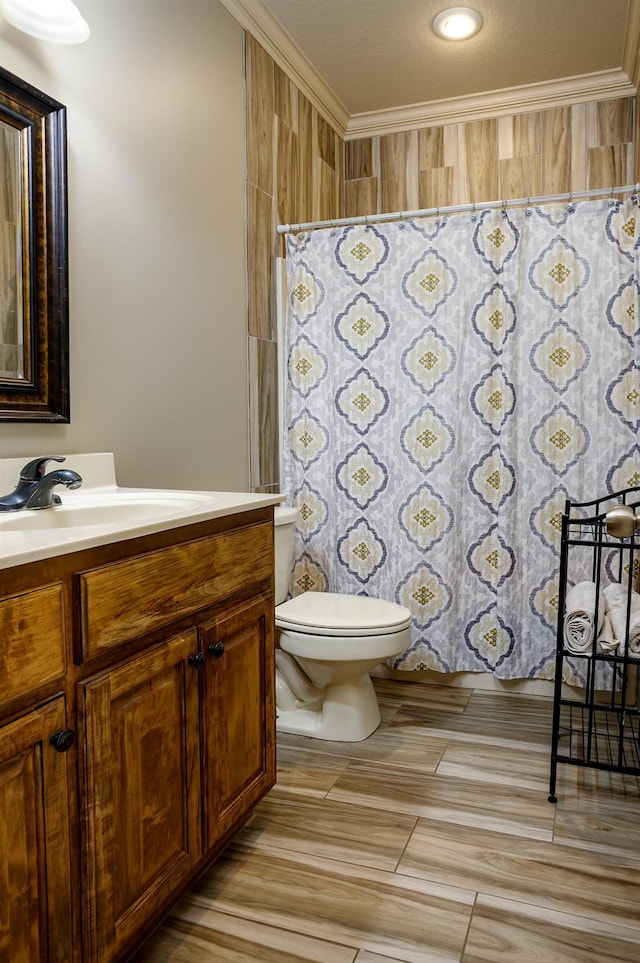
348	712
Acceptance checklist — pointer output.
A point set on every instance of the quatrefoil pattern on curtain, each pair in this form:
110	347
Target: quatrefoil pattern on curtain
449	382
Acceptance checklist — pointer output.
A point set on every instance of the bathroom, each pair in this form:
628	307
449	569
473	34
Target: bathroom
158	355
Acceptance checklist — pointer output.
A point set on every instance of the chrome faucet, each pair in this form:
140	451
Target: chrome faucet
35	489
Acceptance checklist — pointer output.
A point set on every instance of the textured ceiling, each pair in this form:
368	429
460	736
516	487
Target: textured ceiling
382	54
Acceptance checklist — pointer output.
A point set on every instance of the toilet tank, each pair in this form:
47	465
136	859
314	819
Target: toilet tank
284	520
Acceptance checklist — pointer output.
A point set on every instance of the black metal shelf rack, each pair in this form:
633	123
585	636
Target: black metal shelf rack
598	724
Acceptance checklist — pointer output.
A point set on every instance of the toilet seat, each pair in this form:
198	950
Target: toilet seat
333	614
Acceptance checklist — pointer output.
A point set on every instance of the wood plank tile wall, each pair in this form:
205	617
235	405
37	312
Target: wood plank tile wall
574	148
636	140
299	169
294	173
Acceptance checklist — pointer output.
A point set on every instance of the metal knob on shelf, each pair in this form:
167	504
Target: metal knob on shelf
216	649
197	659
622	521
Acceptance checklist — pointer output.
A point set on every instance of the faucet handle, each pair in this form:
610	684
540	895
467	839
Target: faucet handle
35	470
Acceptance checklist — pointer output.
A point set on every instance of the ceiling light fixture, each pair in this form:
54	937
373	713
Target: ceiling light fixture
457	23
59	21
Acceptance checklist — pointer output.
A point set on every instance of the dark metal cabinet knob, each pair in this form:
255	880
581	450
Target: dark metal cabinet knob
197	660
216	649
63	740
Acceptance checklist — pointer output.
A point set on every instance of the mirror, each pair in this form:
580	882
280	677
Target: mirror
34	299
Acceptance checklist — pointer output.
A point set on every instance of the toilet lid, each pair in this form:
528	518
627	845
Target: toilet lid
328	613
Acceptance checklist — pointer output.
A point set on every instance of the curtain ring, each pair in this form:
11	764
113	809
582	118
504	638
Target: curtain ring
504	208
473	212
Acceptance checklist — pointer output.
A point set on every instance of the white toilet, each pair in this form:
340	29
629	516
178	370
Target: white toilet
326	645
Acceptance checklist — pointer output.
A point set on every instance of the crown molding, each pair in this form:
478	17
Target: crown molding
603	85
631	53
253	16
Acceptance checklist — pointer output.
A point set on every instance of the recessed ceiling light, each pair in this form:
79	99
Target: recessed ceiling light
457	23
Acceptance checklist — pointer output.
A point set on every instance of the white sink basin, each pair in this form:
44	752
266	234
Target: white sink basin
101	512
78	511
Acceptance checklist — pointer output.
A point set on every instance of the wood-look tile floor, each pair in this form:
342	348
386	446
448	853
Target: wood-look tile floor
432	840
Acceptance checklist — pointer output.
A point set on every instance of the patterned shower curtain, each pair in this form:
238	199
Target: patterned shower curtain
449	382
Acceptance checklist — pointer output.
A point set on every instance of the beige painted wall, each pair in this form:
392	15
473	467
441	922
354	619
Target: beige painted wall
156	241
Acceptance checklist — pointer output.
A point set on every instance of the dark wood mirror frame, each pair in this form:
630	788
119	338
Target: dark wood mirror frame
43	394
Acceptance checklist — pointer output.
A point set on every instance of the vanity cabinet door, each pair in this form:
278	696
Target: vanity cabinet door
140	791
36	913
238	714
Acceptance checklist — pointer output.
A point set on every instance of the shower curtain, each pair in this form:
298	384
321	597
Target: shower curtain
449	382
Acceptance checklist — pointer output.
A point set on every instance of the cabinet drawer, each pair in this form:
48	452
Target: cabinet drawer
33	651
125	600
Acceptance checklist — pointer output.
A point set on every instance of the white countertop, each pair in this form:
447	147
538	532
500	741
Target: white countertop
95	511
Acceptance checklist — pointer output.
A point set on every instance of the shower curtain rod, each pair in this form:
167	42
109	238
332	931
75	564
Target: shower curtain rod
457	209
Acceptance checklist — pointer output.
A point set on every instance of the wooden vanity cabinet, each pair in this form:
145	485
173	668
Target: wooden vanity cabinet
178	748
238	740
36	908
36	915
166	679
140	790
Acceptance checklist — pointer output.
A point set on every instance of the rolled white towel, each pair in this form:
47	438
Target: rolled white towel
616	598
607	642
580	623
